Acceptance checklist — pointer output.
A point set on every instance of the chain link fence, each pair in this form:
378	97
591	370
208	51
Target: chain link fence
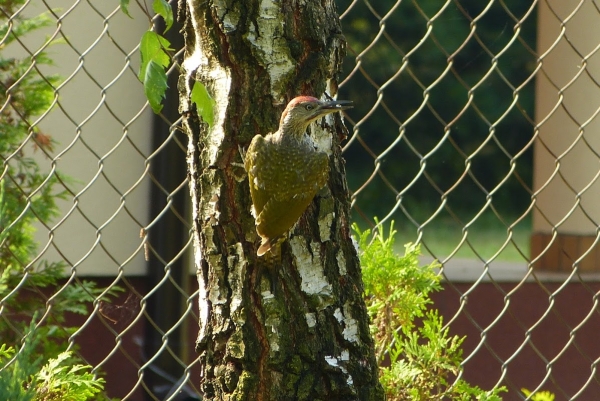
474	129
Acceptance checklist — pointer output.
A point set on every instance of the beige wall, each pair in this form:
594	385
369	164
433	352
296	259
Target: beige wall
90	127
567	103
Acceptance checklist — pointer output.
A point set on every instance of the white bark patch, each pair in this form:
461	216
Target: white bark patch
311	320
272	321
321	138
273	339
341	262
350	324
310	269
355	243
202	291
269	47
325	227
332	360
217	81
212	212
227	16
350	332
215	295
335	362
338	315
237	268
202	285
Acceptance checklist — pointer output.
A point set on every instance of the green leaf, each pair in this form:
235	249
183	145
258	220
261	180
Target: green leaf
59	379
163	8
204	102
125	7
155	60
155	85
153	47
539	396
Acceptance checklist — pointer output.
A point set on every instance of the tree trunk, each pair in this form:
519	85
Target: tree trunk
299	330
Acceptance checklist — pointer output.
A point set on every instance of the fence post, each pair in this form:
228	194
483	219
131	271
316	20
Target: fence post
566	152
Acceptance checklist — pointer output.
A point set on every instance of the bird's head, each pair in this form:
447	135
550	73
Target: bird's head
303	110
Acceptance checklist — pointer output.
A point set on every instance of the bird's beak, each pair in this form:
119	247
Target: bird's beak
336	105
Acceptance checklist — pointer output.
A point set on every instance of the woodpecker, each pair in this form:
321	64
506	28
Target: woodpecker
285	170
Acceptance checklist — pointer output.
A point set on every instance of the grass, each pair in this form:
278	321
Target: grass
484	238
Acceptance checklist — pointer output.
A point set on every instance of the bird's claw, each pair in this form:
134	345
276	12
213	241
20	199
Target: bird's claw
242	153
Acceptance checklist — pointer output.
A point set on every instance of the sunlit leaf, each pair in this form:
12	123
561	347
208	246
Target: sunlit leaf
204	102
155	85
125	7
163	8
153	47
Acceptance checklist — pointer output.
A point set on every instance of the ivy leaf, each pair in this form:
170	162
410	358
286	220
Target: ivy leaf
155	85
204	102
153	47
163	8
125	7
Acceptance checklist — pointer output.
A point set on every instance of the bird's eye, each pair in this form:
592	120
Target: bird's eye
309	107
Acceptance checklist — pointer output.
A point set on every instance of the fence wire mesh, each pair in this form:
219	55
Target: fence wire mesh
452	98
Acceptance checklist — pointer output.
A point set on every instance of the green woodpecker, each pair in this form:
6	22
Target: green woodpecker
285	170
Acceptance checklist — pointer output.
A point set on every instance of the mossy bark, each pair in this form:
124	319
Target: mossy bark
296	330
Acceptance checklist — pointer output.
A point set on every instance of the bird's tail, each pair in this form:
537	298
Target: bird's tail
270	250
269	245
265	246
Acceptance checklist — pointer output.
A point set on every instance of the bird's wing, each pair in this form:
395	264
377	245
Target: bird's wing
256	159
287	197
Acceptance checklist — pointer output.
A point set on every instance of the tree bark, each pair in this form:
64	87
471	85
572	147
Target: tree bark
298	331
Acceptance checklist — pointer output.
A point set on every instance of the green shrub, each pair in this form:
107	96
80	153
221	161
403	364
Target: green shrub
38	368
25	375
418	359
539	396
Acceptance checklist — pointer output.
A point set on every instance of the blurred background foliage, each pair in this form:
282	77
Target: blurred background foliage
411	68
